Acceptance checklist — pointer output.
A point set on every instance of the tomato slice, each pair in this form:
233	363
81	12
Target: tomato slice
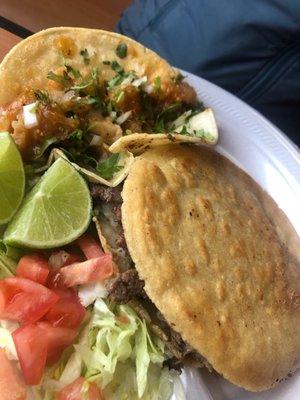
31	347
11	386
67	312
24	301
57	339
89	247
95	269
34	267
74	391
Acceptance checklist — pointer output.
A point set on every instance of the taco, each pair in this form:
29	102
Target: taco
213	264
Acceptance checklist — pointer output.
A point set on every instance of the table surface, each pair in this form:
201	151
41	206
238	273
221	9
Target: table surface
19	19
7	41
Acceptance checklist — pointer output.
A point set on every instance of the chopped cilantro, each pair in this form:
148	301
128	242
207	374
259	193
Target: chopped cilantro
82	85
178	78
106	62
117	67
165	116
76	135
70	70
63	80
115	81
157	84
119	96
42	96
159	126
85	55
121	50
120	75
107	168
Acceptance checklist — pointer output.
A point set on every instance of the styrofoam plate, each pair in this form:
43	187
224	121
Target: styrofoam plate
268	156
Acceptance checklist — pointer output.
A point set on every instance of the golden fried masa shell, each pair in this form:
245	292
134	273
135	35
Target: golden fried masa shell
212	262
28	63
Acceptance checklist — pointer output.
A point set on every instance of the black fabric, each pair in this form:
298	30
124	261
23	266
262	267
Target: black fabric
250	48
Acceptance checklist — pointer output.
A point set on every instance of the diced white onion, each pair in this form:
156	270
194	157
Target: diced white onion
91	50
96	141
68	96
113	115
149	89
127	81
6	341
122	118
89	292
138	82
181	120
29	115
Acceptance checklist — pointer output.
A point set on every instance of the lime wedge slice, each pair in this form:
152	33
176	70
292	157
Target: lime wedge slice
56	211
12	178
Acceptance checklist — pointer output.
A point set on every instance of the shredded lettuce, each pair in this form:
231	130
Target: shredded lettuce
117	352
120	355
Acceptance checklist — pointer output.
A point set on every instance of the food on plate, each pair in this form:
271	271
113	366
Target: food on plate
134	252
11	170
61	200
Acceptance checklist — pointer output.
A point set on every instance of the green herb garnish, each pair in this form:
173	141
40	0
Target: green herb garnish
63	80
107	168
42	96
157	84
70	70
119	96
121	50
178	78
76	135
159	126
106	62
85	55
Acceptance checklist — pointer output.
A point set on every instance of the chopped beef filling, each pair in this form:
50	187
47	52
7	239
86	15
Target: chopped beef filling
128	288
106	194
108	202
125	287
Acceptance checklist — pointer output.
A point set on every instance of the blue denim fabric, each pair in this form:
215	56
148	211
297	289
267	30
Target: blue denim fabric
249	47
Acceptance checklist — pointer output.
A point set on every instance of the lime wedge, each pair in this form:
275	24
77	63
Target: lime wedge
12	178
56	211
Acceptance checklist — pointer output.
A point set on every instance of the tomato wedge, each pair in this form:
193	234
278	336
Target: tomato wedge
23	300
89	247
67	312
34	267
11	386
57	339
95	269
74	391
31	348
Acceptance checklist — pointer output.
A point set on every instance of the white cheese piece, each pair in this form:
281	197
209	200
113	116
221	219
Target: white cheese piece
29	115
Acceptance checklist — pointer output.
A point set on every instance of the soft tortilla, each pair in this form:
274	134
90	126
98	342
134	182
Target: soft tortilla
213	263
28	63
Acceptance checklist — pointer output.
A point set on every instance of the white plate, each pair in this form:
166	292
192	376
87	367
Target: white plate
268	156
